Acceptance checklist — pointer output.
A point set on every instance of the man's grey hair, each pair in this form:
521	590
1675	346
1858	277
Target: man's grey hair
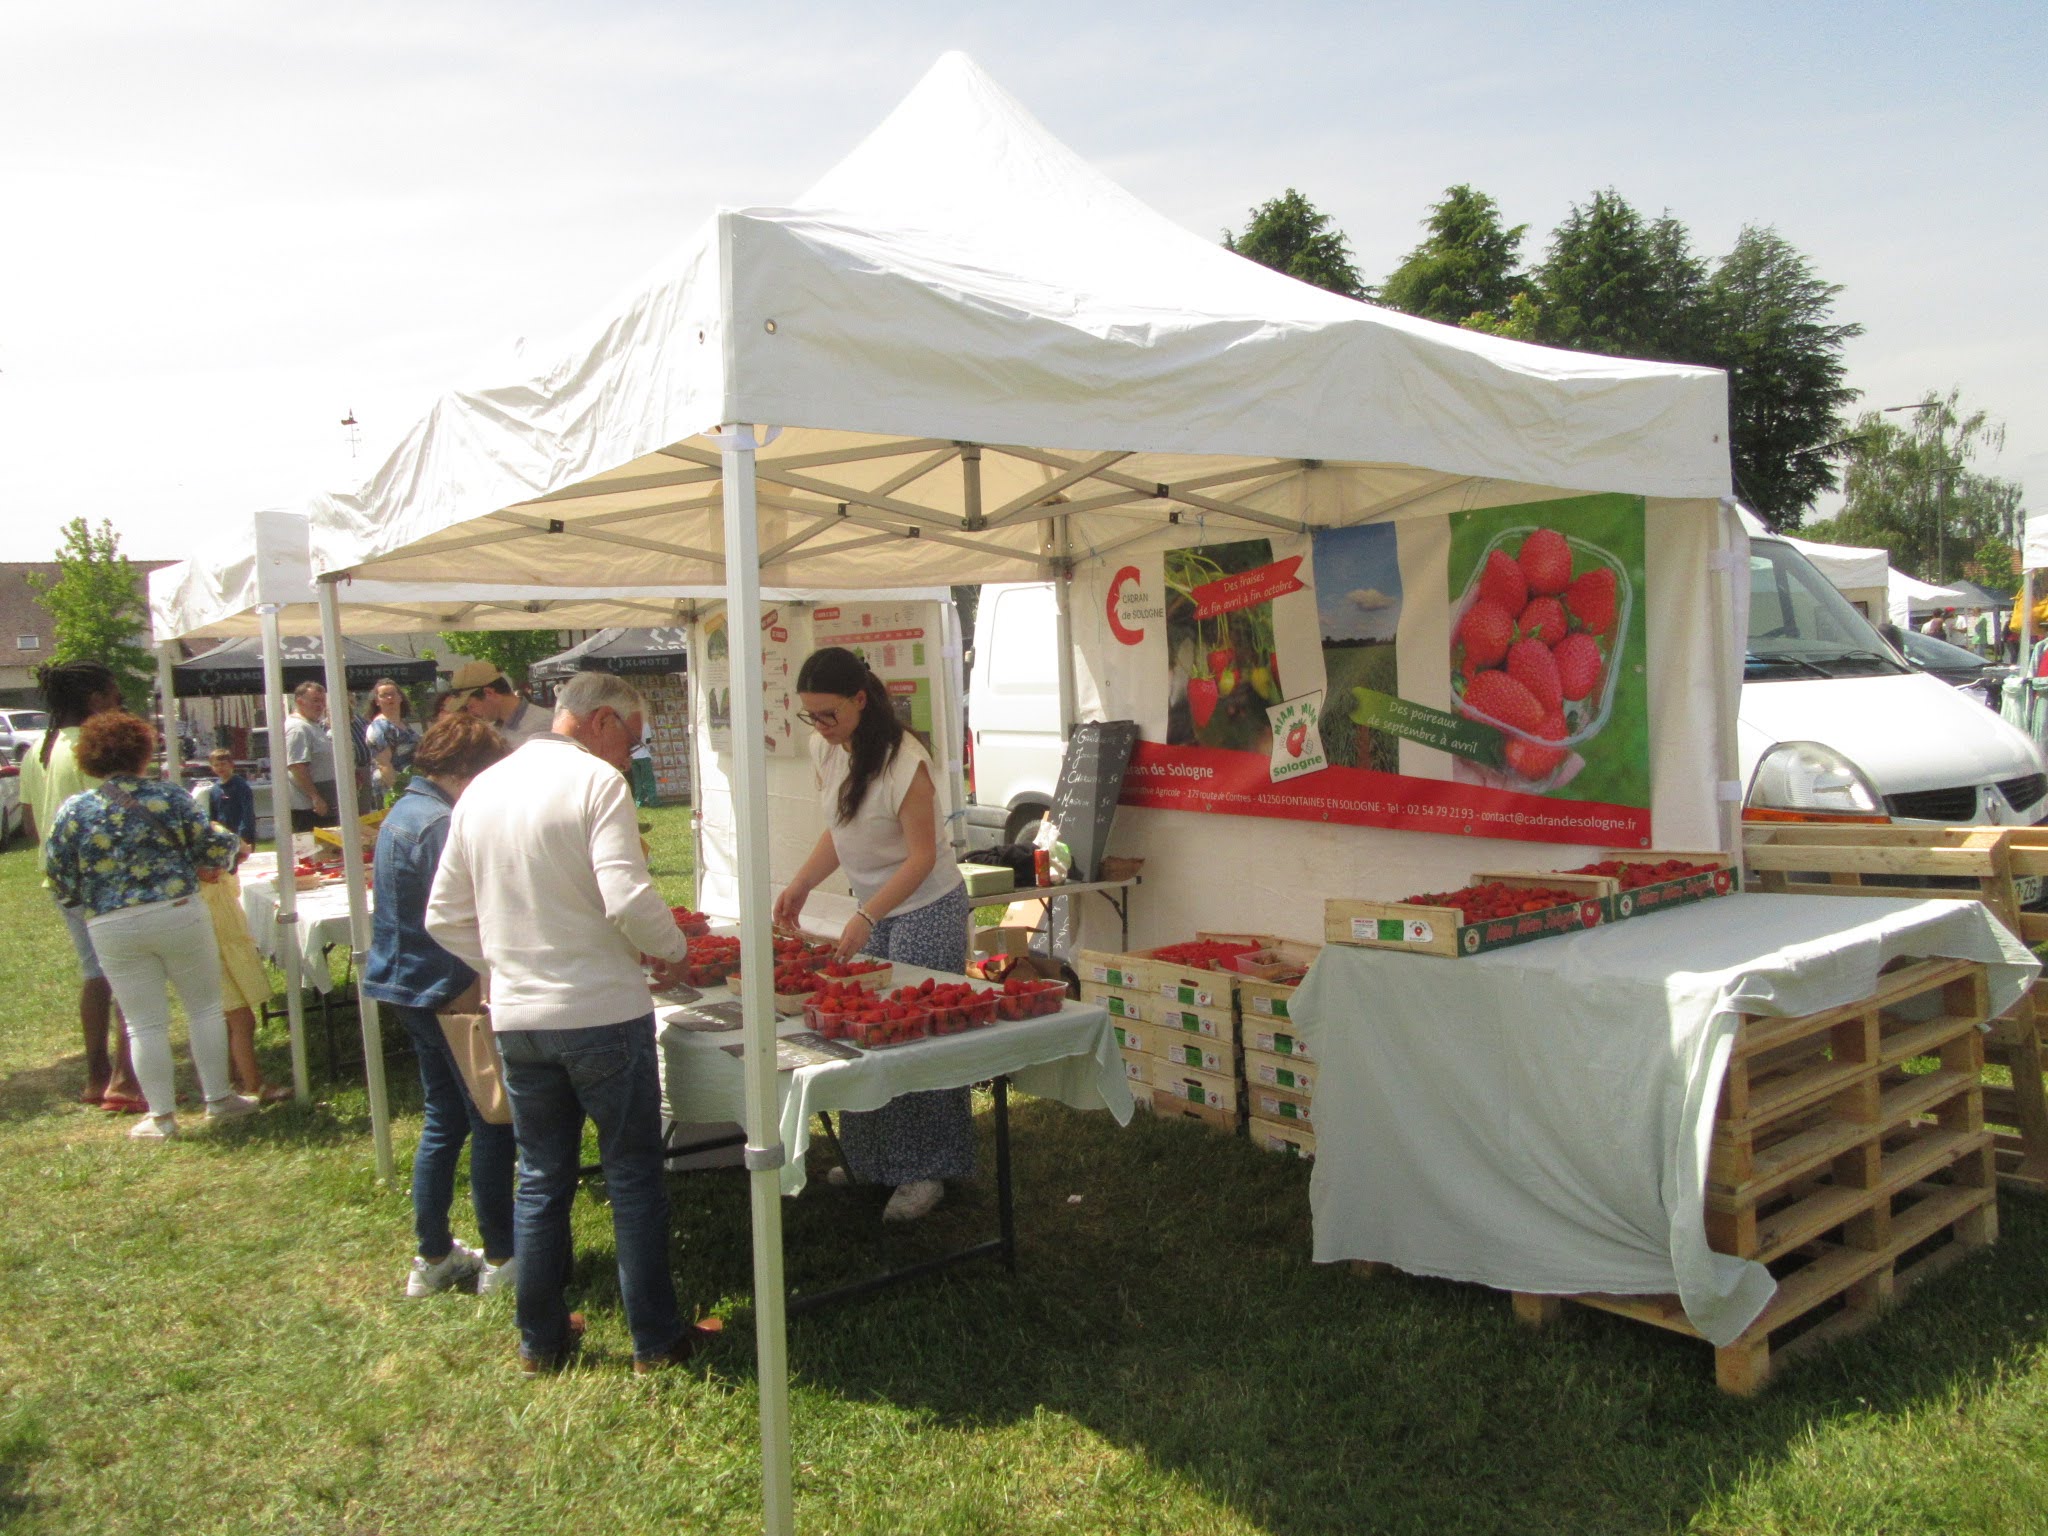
588	692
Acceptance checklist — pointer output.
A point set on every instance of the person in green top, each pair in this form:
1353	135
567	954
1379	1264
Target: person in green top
73	692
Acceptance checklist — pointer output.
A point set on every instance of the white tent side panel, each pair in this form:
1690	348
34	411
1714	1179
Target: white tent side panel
1271	875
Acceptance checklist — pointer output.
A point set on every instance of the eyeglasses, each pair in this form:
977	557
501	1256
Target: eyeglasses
824	719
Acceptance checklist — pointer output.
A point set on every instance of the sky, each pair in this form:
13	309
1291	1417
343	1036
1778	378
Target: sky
229	224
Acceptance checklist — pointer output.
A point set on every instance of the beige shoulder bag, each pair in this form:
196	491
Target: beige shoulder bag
466	1022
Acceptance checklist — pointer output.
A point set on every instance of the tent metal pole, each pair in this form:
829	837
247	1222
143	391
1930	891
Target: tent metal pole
352	868
765	1153
1059	547
694	651
281	839
174	747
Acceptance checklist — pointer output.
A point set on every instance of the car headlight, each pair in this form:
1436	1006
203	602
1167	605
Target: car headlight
1806	776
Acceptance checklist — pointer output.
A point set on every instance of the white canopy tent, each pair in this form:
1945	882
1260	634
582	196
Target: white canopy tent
1910	595
976	359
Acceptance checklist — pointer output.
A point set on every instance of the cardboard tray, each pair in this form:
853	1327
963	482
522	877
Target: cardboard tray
1661	896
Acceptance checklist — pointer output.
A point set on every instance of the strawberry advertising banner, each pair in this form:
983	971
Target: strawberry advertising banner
1482	673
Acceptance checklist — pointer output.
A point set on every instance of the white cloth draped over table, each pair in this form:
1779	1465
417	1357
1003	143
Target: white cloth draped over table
323	919
1070	1056
1538	1119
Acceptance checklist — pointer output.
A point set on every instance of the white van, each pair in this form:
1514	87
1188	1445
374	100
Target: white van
1833	722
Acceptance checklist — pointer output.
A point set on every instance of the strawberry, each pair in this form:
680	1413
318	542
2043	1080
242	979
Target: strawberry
1502	581
1532	761
1578	665
1530	664
1546	562
1543	619
1501	698
1591	600
1201	699
1487	631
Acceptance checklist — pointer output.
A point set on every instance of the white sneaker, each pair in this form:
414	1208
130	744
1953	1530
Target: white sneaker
498	1277
837	1176
459	1263
154	1128
231	1106
913	1200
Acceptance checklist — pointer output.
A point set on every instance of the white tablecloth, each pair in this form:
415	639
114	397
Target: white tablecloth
323	922
1070	1056
1538	1119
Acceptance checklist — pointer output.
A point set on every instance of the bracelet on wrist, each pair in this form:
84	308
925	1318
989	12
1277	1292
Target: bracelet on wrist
864	914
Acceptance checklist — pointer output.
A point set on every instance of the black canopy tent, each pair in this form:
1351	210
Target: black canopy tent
632	652
237	667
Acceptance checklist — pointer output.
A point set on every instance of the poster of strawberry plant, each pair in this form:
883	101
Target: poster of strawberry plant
1223	657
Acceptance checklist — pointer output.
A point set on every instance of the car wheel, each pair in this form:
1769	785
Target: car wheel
1022	826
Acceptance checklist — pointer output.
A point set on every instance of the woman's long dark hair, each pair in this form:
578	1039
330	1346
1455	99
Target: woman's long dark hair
68	688
838	671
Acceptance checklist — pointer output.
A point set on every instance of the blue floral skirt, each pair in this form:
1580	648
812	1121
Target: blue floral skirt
919	1135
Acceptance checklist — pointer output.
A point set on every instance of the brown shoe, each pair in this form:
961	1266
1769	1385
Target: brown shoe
696	1338
537	1365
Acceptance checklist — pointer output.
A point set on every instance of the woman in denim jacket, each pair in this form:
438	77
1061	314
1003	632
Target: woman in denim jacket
416	977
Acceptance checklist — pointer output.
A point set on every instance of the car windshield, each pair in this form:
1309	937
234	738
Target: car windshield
27	720
1926	651
1800	626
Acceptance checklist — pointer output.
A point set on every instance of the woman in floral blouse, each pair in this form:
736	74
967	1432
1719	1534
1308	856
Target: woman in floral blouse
130	854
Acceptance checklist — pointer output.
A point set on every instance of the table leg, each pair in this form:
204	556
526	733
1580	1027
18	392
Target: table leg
1006	1205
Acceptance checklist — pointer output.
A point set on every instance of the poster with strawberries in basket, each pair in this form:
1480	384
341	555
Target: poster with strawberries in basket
1323	679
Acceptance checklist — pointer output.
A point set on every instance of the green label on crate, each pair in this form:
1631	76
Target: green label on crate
1123	1036
1271	1007
1194	1023
1119	1007
1191	996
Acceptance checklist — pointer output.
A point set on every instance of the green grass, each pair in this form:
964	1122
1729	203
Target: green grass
208	1336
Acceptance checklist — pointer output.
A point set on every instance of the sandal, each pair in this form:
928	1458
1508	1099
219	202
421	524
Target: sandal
122	1104
273	1093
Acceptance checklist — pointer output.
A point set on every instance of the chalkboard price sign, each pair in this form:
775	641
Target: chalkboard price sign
1091	779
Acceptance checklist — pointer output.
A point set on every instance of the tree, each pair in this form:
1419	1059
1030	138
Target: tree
1909	488
1465	271
511	651
95	604
1770	323
1617	284
1289	235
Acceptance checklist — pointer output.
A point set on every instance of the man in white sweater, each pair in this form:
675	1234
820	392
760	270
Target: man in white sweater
543	886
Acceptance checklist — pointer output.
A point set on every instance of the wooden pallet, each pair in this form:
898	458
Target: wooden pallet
1859	860
1842	1163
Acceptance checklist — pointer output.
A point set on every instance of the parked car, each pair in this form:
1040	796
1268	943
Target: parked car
1954	664
1834	722
21	730
10	801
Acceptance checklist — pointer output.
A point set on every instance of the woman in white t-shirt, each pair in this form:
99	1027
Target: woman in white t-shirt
884	831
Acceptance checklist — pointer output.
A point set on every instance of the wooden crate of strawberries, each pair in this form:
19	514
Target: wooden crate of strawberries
1491	914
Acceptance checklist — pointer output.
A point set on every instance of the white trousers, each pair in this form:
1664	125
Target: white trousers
145	951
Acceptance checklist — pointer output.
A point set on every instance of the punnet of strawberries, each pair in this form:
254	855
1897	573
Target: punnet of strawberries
955	1005
1029	997
695	924
713	959
1202	954
1635	874
1495	899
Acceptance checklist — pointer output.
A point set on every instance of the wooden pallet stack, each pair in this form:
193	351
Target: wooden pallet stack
1843	1163
1995	865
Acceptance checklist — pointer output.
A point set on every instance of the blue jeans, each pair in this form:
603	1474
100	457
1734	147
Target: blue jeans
554	1078
451	1118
